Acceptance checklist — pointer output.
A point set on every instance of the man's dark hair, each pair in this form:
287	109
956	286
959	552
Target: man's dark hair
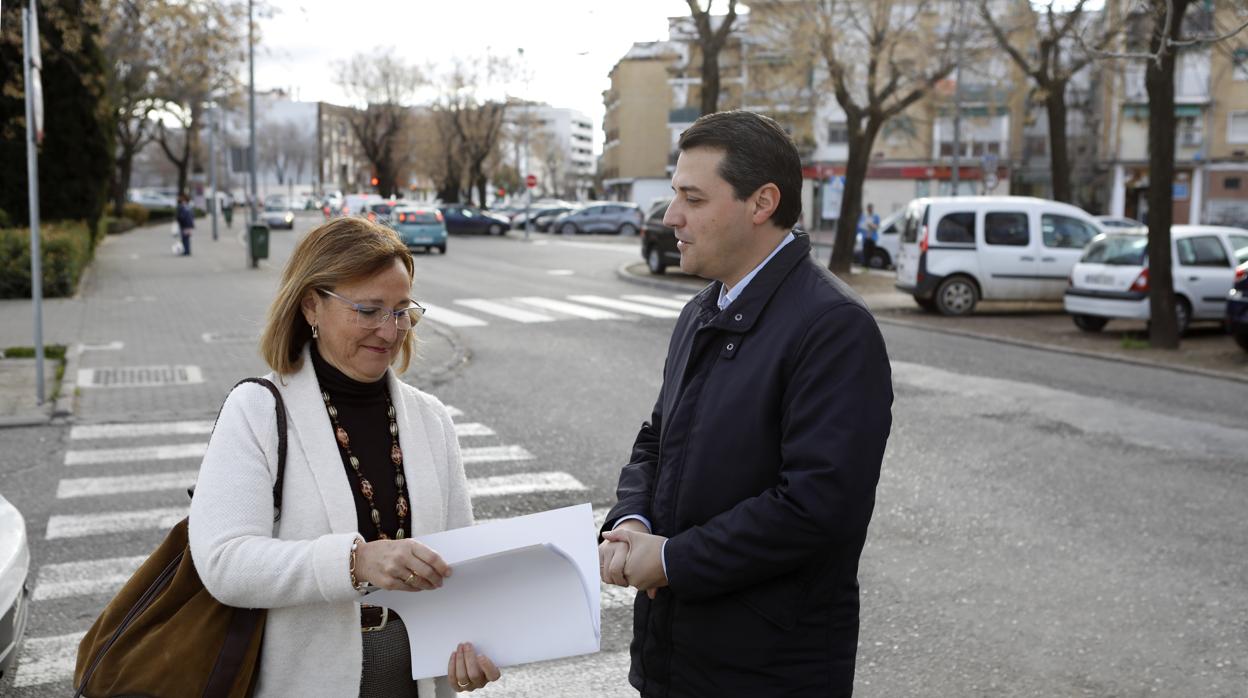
756	151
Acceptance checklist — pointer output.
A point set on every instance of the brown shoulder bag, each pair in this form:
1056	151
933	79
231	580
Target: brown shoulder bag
164	635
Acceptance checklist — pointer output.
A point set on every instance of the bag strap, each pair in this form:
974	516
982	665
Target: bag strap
280	408
238	634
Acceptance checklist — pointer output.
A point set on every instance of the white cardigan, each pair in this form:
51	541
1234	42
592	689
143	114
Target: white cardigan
312	640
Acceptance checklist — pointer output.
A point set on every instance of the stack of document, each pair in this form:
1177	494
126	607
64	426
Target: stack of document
521	590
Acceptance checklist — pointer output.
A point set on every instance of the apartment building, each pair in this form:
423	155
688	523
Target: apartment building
554	143
639	105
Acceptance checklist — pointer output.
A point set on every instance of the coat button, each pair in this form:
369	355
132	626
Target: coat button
730	346
738	317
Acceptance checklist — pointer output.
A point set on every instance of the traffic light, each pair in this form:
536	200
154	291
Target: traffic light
373	181
502	192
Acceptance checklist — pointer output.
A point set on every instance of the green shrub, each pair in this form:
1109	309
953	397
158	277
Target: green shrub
115	226
50	351
5	222
155	215
66	248
135	212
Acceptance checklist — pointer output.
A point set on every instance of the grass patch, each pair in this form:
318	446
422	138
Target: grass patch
1131	341
56	352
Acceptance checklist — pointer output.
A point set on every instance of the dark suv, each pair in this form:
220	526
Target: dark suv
658	242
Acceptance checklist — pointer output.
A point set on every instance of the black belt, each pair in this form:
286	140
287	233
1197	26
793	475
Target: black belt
373	618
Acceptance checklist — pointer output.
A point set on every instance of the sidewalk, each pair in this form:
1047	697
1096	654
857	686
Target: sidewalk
1205	349
171	334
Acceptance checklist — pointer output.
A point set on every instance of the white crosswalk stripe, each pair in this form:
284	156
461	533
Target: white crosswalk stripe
84	578
627	306
472	429
47	660
656	300
524	483
70	488
582	311
494	454
446	316
80	525
137	453
503	310
131	431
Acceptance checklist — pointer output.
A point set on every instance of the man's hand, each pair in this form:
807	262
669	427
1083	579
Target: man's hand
643	566
613	554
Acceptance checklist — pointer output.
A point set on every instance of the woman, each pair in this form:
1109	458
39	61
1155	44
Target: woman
371	462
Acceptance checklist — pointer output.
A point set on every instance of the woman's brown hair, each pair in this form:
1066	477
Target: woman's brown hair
341	250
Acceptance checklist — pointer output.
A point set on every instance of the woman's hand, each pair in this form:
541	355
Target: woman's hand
468	671
404	565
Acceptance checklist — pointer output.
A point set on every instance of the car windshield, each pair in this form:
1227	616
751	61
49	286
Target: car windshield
380	209
418	217
275	207
1118	250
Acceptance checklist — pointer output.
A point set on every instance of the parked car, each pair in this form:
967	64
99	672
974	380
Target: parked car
353	204
277	214
462	218
1111	280
331	205
14	583
1118	223
378	211
956	251
540	217
1237	307
658	242
887	243
623	217
152	199
420	226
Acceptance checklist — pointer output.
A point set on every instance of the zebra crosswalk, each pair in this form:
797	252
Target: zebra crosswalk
481	312
111	477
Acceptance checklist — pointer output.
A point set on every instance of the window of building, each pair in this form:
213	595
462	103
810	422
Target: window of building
1237	127
1240	60
838	132
1190	131
1230	183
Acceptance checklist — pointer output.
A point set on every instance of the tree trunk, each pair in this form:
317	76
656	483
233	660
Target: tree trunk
121	181
481	190
1159	79
860	145
710	78
1059	163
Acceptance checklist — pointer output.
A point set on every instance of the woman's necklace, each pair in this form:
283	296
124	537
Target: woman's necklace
366	487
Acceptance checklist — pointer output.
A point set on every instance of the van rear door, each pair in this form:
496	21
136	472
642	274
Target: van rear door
907	259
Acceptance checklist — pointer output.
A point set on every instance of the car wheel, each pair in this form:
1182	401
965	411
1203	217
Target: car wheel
568	229
956	295
926	303
496	229
442	248
1182	314
879	260
654	260
628	229
1089	323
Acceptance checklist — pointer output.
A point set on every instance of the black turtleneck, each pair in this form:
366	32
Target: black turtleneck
362	412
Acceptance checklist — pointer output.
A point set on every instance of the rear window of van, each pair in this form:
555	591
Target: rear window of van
957	228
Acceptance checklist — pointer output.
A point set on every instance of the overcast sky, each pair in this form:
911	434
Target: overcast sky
569	45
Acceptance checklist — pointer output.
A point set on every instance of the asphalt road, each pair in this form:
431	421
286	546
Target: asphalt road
1045	524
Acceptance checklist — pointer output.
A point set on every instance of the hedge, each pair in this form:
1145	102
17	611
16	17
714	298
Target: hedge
66	247
135	212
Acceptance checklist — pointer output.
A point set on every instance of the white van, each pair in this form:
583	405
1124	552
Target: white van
956	251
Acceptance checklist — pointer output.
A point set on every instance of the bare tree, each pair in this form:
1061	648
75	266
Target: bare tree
711	41
383	85
130	86
1043	59
552	160
475	122
878	57
200	50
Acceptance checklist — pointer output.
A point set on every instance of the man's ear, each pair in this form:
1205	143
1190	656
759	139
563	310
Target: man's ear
766	200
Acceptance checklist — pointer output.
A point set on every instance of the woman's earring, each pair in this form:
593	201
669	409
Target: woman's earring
315	333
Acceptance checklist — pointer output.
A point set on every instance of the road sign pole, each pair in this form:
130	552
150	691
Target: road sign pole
32	176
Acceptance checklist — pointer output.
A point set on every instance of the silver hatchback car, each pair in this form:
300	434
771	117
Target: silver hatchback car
622	217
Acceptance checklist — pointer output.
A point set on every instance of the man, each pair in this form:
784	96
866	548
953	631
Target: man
869	230
744	508
186	223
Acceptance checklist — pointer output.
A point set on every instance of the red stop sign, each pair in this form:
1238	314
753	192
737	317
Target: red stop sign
530	181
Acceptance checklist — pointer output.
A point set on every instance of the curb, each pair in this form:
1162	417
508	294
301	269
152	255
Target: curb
1040	346
63	408
461	356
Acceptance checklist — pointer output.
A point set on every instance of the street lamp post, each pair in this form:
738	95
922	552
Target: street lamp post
251	146
528	191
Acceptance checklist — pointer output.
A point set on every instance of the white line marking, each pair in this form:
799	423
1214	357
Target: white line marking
626	306
619	248
560	272
80	525
524	483
125	484
684	297
47	660
137	453
454	411
655	300
449	317
110	346
494	454
504	311
567	308
85	578
472	429
144	376
129	431
600	515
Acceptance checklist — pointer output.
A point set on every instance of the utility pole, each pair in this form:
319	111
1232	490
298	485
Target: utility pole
251	113
212	166
954	176
29	24
528	118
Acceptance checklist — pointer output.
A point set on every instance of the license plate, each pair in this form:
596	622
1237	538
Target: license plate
1101	279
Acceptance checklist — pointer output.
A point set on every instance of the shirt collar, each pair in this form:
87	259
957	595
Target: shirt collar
726	296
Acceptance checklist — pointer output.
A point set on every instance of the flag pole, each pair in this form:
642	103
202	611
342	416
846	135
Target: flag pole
32	175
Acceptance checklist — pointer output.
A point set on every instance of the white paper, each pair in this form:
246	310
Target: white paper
521	590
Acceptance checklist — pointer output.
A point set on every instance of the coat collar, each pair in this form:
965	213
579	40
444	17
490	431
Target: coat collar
315	437
741	315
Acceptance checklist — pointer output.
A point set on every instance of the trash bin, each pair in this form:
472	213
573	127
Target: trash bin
258	241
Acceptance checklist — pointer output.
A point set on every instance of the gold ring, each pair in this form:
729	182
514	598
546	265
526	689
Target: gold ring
462	685
409	579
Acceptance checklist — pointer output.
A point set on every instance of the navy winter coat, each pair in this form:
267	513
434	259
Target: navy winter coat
759	464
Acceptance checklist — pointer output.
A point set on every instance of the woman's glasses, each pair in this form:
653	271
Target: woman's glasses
371	317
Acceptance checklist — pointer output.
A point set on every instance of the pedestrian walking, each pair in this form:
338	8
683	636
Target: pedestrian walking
744	508
869	231
186	223
372	462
